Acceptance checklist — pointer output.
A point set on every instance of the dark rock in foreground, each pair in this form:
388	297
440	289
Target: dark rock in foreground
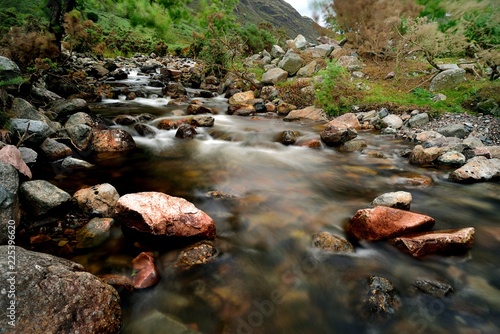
54	295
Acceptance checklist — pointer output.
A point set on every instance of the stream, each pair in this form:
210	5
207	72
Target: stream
267	278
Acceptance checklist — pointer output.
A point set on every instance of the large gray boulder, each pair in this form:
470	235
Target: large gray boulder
54	295
9	199
477	169
277	51
274	75
40	196
291	63
448	79
36	131
8	69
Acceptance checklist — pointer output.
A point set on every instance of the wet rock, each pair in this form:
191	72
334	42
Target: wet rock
199	253
418	120
433	288
477	169
288	137
65	108
57	295
310	113
123	284
353	145
124	120
309	142
70	164
186	131
158	214
447	79
454	130
196	109
94	233
119	74
36	131
331	242
41	196
11	155
398	200
97	200
174	90
382	299
146	274
241	110
274	75
78	119
335	135
421	156
55	150
452	158
9	200
412	180
446	242
167	124
81	136
383	222
114	140
202	121
144	130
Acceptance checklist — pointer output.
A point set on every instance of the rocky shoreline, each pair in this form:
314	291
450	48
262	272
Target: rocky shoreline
59	128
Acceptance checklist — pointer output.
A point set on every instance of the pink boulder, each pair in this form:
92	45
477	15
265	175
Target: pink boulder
159	214
146	273
382	223
11	155
436	242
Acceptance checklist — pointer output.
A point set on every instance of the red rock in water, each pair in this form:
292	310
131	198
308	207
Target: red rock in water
147	275
114	140
159	214
436	242
382	223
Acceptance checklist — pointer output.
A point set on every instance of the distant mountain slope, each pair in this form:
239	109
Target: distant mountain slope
278	12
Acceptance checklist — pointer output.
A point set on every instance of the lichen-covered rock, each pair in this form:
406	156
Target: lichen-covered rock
40	196
447	79
10	213
54	295
331	242
382	299
477	169
98	200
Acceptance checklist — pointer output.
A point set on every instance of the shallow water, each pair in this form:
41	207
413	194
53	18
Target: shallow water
267	278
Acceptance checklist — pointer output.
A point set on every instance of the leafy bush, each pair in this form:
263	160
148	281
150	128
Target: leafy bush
336	94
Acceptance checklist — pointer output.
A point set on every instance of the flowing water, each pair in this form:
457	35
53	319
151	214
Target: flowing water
267	278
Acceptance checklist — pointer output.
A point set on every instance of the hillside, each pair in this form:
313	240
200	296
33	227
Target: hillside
279	13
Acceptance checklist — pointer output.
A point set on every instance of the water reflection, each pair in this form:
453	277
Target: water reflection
267	278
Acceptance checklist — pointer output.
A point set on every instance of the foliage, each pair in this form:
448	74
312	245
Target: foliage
25	47
336	94
299	92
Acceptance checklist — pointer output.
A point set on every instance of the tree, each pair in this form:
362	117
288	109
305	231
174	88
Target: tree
369	25
57	9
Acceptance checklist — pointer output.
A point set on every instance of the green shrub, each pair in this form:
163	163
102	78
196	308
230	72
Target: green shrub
336	94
